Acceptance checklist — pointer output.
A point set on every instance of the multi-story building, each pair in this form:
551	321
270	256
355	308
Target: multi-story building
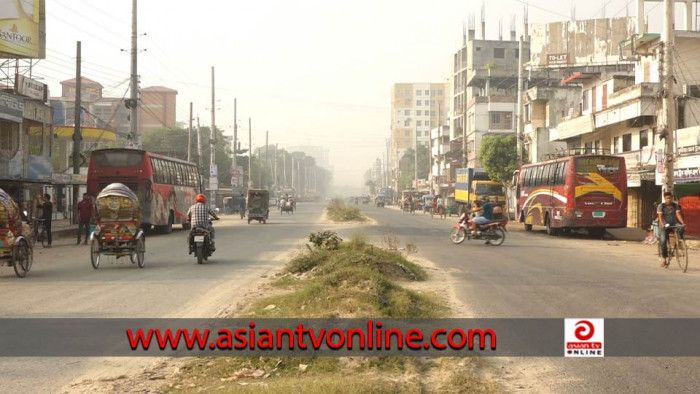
543	108
619	113
415	109
157	107
320	154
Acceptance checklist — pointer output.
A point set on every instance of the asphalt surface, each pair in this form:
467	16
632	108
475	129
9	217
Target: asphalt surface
62	283
538	276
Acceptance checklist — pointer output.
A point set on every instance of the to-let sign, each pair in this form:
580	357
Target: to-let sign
554	59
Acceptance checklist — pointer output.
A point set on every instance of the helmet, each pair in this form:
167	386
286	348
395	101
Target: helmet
201	198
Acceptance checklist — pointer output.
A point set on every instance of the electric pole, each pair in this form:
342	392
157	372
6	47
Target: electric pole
213	170
275	169
668	102
77	137
519	124
189	137
235	139
250	154
415	158
199	145
133	102
284	168
464	123
267	159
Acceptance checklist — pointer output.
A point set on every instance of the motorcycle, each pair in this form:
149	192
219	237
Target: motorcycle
200	244
494	233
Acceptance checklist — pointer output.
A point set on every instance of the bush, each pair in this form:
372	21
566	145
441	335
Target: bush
339	212
328	240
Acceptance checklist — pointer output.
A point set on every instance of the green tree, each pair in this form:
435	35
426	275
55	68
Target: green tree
499	157
407	166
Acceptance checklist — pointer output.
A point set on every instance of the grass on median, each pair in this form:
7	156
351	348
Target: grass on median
338	211
351	279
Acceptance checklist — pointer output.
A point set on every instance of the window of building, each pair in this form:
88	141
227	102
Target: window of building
584	100
407	112
499	53
439	92
407	102
406	122
517	53
588	146
432	93
418	92
418	102
500	120
478	49
9	139
419	112
680	118
615	144
627	142
427	92
597	147
419	123
528	113
643	138
432	113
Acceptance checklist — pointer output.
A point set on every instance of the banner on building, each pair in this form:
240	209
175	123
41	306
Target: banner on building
23	29
11	107
39	167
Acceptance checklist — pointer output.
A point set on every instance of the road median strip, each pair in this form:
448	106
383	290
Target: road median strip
339	279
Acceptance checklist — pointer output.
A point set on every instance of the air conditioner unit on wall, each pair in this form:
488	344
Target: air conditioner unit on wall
691	90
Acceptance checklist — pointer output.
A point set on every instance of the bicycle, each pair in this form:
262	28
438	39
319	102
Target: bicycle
676	248
39	232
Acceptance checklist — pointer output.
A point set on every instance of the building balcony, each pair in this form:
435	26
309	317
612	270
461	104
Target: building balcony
573	127
639	159
629	103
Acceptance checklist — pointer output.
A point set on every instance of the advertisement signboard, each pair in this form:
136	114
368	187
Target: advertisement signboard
30	88
23	29
11	107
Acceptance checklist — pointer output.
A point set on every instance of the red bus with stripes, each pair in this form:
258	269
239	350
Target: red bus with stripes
166	187
574	192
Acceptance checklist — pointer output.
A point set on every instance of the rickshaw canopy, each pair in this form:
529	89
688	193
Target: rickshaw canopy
117	202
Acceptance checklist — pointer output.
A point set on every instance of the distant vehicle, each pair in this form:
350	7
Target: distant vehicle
574	192
388	194
474	185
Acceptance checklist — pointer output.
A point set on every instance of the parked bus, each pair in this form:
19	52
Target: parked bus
166	187
574	192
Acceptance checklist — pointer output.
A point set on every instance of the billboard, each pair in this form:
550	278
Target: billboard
23	29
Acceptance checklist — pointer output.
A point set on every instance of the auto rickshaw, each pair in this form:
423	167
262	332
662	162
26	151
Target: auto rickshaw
118	231
15	246
258	205
380	201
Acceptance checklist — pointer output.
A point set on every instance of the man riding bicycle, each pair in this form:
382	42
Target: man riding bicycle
669	214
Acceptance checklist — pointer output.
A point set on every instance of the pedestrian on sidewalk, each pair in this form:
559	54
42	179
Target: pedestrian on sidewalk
46	214
85	216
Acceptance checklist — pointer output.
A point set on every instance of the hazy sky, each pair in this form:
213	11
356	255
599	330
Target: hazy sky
311	72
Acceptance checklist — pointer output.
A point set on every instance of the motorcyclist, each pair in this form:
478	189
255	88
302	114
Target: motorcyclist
198	216
486	210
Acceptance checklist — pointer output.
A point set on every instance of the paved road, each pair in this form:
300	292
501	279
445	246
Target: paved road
62	283
534	275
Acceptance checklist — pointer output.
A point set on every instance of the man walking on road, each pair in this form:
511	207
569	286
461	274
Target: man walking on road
46	214
85	216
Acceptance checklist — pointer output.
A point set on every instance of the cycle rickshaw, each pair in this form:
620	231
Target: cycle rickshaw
118	231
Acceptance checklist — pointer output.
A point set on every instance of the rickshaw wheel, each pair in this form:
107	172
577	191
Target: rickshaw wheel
95	254
140	252
22	257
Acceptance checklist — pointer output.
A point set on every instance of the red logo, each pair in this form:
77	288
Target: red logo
584	330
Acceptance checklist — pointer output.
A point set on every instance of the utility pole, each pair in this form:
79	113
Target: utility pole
274	171
464	121
235	139
415	158
519	117
189	137
668	102
250	154
77	137
293	166
284	168
267	159
199	145
213	170
133	102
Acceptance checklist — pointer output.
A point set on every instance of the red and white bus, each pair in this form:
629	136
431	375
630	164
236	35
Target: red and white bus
165	186
573	192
